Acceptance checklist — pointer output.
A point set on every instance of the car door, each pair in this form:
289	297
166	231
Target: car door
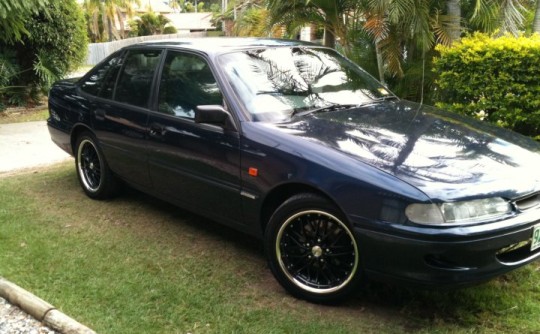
194	165
121	115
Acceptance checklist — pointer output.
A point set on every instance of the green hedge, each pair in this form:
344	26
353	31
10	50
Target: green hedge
494	79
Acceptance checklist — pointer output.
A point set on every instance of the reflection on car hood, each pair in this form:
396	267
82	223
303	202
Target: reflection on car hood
447	156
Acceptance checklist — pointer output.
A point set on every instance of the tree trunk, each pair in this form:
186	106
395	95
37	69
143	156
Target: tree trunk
536	22
380	65
453	8
109	29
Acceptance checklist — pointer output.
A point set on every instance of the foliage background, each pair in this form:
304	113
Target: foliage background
494	79
151	24
54	44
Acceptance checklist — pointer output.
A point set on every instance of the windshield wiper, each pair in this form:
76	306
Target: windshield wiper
331	107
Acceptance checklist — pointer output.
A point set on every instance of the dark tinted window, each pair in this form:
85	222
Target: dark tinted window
186	82
94	81
107	88
135	80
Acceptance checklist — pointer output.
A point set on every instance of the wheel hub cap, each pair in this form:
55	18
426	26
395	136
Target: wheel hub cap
317	251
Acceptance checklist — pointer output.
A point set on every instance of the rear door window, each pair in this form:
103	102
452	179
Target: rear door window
135	81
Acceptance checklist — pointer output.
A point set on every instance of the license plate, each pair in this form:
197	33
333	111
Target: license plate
535	238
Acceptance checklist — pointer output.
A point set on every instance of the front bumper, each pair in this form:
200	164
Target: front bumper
451	256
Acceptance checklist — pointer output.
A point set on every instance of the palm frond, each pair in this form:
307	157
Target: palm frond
377	27
46	70
485	14
392	55
442	26
511	16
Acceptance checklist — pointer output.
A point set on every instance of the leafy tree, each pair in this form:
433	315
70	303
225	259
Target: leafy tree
55	44
13	15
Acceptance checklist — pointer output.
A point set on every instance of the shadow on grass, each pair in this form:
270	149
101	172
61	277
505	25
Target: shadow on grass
202	225
494	303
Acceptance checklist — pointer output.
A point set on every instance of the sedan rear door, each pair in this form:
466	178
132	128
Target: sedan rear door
121	114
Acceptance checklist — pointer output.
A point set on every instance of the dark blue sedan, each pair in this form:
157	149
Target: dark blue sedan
292	143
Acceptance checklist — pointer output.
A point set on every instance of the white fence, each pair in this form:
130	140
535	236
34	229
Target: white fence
99	51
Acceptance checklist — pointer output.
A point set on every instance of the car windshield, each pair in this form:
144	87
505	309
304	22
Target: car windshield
275	84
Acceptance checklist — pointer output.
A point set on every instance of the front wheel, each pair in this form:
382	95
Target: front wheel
312	251
94	175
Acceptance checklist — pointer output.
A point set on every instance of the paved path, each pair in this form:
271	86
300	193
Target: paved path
26	145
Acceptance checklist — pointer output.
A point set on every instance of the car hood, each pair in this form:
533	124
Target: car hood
447	156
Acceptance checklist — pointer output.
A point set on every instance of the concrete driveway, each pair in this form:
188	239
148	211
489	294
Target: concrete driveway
27	145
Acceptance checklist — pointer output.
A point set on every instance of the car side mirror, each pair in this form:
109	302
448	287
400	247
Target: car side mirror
215	115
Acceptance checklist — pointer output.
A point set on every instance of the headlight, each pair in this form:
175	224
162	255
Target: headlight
458	212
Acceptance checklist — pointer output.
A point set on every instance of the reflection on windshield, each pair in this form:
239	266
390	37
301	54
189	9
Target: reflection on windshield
274	83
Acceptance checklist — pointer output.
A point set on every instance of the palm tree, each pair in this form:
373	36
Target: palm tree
103	16
400	34
252	22
334	15
152	24
453	10
401	30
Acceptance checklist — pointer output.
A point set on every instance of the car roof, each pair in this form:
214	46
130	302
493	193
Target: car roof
223	44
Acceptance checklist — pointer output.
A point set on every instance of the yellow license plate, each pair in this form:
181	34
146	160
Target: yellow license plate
535	238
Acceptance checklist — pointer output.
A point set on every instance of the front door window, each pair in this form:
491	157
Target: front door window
186	82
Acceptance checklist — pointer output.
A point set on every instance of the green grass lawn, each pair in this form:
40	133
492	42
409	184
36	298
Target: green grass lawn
137	265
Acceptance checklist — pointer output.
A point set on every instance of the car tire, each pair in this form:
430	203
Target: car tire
311	249
95	177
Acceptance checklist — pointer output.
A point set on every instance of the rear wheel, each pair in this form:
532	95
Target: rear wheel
94	175
311	249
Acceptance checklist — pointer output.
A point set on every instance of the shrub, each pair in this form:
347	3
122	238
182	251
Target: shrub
56	44
494	79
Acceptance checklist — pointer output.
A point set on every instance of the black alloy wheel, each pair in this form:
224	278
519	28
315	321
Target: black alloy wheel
312	252
94	175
